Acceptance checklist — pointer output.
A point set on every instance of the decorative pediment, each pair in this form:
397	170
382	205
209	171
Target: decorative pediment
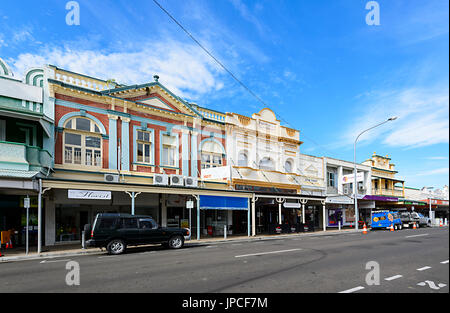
155	95
156	102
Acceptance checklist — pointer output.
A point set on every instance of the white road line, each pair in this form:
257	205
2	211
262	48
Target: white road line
54	261
424	268
444	262
393	277
416	235
262	253
352	290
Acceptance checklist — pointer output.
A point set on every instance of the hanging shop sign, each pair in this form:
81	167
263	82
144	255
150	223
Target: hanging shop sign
350	178
89	194
292	205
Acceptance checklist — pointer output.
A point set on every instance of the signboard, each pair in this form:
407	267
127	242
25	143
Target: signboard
350	178
216	173
189	204
340	200
26	203
292	205
89	194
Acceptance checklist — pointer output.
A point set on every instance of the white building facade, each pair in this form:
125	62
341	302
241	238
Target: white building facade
340	208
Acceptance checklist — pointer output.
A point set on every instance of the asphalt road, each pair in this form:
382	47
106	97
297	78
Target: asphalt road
409	260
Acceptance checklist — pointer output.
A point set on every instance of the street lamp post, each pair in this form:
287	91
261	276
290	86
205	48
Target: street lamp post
429	202
355	172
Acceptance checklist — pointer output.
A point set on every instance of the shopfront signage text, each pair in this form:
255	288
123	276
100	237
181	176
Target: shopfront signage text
89	194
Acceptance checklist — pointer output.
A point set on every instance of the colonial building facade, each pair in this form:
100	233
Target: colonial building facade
76	146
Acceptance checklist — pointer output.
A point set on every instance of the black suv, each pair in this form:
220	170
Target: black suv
116	231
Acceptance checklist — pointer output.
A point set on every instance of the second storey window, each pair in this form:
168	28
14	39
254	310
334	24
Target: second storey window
211	160
169	150
144	147
331	179
82	143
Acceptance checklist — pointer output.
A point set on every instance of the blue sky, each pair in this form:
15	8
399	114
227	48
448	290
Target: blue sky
317	64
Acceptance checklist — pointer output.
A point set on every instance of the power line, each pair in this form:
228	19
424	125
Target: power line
223	66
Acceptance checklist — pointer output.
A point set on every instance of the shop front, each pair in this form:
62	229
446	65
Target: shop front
67	211
13	220
341	211
221	215
69	205
277	213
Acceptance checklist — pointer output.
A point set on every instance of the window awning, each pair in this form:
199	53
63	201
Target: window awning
223	203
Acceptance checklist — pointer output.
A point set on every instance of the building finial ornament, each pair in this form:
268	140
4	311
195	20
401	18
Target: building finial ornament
156	78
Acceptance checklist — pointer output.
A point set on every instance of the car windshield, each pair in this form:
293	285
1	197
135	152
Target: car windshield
420	215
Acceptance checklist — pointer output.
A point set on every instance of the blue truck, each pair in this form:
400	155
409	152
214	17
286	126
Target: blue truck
384	219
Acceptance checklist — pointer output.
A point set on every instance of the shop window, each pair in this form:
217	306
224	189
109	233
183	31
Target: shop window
144	147
82	143
169	150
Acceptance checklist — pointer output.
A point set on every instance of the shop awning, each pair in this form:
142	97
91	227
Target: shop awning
223	203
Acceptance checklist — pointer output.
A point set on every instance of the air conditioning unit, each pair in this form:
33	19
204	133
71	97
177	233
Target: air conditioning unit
176	180
361	187
160	179
191	181
111	178
346	190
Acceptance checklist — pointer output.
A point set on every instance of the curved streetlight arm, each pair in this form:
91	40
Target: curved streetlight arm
355	170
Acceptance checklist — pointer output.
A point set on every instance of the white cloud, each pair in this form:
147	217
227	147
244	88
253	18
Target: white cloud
443	170
437	158
183	68
423	117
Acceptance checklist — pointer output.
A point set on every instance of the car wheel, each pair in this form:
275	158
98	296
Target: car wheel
116	246
176	242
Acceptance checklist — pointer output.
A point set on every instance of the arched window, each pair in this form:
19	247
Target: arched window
211	155
266	164
288	166
82	142
242	159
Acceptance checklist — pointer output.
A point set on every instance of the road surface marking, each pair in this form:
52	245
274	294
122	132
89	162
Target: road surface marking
352	290
416	235
47	261
424	268
262	253
431	284
393	277
445	262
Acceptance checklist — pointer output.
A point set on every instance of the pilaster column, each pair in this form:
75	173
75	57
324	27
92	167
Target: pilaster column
125	144
112	152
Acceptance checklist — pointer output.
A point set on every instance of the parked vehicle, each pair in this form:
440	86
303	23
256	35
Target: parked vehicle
383	219
421	220
407	219
117	231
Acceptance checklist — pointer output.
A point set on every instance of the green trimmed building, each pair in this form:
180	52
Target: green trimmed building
26	146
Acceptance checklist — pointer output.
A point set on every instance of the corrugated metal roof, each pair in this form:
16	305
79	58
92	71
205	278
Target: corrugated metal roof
18	174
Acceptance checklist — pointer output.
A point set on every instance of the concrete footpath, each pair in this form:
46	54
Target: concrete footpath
76	250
